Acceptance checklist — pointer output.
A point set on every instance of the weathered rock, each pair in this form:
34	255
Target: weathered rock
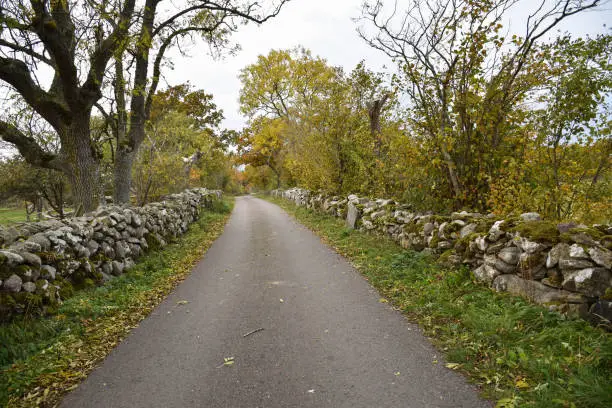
527	245
577	252
602	257
481	243
117	268
601	312
353	215
10	259
510	255
557	252
467	230
428	228
535	291
12	284
42	240
486	273
29	287
31	259
565	227
48	272
569	263
592	282
8	235
495	233
532	266
531	216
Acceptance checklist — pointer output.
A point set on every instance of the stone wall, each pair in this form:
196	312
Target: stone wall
41	263
565	266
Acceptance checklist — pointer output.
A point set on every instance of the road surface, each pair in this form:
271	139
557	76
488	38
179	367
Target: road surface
327	340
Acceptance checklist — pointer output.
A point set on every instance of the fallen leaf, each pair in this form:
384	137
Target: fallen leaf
521	383
382	300
182	302
453	366
397	373
282	301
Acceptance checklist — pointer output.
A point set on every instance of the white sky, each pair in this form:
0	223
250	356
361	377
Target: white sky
327	29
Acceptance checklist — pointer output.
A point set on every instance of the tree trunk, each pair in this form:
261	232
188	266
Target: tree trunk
82	164
124	158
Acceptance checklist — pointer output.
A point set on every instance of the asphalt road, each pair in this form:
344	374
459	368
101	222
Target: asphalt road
327	340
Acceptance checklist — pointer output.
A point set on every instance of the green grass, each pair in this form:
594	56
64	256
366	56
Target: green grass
12	215
43	358
520	354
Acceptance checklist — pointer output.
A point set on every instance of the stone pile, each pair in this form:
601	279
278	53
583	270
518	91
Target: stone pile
40	263
565	266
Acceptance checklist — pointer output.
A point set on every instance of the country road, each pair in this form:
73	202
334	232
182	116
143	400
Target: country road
327	340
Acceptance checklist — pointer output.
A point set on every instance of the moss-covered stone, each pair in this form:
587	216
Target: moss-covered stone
591	232
435	240
607	295
66	289
543	231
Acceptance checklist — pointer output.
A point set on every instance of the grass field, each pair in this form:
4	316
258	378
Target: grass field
520	354
11	215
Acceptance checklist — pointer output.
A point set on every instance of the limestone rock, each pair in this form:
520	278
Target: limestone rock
535	291
48	272
557	252
495	233
531	216
601	312
602	257
467	230
577	252
510	255
569	263
352	215
10	259
486	273
527	245
592	282
12	284
29	287
117	268
481	244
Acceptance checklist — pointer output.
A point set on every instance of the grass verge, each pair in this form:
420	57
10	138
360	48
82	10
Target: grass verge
12	215
520	354
42	359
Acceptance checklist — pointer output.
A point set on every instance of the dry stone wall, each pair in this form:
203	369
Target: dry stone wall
565	266
41	263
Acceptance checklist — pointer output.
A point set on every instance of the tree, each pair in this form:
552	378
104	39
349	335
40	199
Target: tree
465	80
33	185
264	144
76	41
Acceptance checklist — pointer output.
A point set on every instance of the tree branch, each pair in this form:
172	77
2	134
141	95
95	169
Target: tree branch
16	73
28	148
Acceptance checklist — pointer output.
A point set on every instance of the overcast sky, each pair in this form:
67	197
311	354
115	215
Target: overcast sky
327	29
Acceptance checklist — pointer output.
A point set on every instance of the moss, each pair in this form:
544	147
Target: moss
66	289
434	242
607	295
49	257
444	258
484	225
538	231
21	270
591	232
